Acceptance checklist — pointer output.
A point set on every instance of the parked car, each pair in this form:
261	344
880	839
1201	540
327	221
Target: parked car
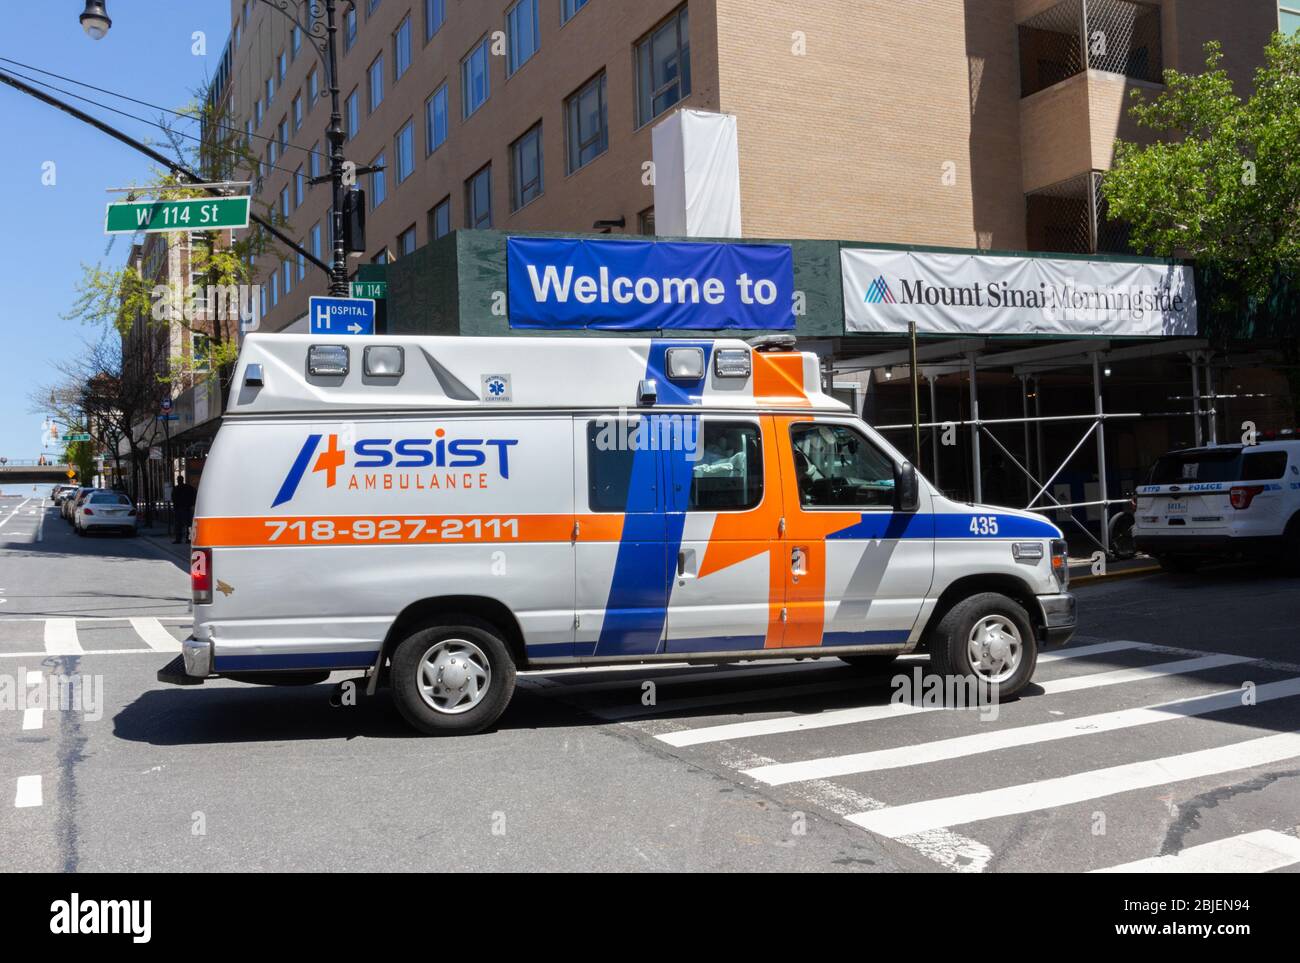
105	509
61	492
1222	502
69	505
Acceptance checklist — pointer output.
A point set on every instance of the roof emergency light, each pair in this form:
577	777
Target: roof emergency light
327	360
384	361
686	364
731	363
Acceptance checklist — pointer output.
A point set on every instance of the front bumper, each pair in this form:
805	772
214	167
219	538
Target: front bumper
1059	617
191	667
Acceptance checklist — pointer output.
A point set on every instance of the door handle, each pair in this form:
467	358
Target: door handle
685	565
681	564
798	562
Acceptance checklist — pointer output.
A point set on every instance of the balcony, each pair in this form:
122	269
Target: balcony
1070	217
1074	36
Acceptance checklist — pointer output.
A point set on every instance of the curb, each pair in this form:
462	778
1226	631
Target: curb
1113	576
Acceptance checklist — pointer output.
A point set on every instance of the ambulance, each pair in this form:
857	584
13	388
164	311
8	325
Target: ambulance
441	513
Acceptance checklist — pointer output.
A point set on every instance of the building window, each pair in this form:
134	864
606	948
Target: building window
199	352
257	111
275	288
352	115
313	88
378	187
440	219
281	67
404	149
270	89
406	242
283	133
588	123
371	6
435	120
474	84
288	275
569	7
663	67
478	199
262	293
402	48
645	222
349	28
295	39
284	203
1289	18
248	133
526	168
315	239
435	15
297	113
313	160
375	82
299	188
523	34
302	265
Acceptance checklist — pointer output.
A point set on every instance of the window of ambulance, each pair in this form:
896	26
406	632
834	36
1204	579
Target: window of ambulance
727	474
839	468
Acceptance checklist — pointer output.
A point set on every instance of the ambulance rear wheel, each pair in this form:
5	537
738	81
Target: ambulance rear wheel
987	641
453	678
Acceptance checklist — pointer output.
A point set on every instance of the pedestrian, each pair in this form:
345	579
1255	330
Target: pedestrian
183	498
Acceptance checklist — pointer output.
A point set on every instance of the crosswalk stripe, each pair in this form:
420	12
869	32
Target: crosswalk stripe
1257	852
61	637
844	717
154	635
1100	648
780	774
28	792
904	820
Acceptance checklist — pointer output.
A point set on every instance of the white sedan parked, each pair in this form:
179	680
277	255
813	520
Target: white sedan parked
105	509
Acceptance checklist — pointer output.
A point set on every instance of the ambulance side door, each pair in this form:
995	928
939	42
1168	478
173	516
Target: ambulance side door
623	558
729	586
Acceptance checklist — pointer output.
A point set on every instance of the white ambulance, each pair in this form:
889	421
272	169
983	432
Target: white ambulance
445	512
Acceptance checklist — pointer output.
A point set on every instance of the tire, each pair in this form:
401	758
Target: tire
870	663
1121	536
459	643
950	645
1178	564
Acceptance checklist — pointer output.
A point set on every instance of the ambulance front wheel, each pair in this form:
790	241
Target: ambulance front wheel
988	640
453	678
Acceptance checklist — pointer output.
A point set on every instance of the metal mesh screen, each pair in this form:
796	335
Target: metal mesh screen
1112	236
1059	219
1123	37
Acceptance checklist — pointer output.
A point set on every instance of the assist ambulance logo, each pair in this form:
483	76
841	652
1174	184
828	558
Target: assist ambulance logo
399	464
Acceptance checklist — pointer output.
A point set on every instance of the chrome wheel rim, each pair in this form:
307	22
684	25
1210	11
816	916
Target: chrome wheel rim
454	675
995	648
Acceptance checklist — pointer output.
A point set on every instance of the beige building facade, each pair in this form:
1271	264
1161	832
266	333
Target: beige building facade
964	123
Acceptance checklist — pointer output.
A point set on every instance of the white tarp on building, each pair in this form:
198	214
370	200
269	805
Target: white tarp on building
697	175
992	294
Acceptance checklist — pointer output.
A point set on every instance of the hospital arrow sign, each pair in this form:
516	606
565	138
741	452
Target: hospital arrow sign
197	214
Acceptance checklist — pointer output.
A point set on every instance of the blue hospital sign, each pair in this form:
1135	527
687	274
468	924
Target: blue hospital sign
341	315
649	285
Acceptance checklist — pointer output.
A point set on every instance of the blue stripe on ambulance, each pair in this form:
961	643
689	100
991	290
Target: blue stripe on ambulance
292	479
895	525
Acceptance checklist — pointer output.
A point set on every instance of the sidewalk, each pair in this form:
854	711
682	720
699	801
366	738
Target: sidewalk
1081	569
161	538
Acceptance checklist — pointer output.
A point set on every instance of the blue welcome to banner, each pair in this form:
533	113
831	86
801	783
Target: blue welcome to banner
649	285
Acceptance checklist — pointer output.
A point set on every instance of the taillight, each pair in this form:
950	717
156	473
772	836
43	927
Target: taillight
1242	495
87	511
201	575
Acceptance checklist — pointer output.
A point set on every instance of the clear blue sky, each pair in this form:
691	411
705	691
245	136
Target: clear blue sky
50	231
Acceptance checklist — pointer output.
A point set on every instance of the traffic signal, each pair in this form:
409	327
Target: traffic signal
354	221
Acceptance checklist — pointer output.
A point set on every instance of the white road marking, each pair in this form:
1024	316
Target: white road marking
61	637
33	718
154	635
28	792
904	820
6	519
1100	648
844	717
100	618
1258	852
961	746
97	652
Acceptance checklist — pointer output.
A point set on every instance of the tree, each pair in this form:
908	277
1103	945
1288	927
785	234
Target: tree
1222	185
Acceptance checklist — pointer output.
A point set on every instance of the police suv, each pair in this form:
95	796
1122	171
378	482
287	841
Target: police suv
444	512
1227	501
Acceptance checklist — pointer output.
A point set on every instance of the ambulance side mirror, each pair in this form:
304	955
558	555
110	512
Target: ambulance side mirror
907	488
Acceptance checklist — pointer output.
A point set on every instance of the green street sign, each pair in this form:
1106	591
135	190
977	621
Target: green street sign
197	214
78	436
369	289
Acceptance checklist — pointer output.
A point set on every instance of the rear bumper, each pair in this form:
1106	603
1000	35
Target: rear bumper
1220	545
1059	617
191	667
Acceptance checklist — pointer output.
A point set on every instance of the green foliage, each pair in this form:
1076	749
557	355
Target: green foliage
1222	185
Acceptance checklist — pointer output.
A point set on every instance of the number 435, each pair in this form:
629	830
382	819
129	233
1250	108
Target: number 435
984	524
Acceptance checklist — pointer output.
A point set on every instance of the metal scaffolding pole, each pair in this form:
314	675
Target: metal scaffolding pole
1101	453
977	487
1196	396
934	435
1038	427
1024	410
1209	391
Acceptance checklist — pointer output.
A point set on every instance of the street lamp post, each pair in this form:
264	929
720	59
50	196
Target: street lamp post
316	19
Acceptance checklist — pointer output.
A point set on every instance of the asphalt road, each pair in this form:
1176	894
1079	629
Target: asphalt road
786	766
